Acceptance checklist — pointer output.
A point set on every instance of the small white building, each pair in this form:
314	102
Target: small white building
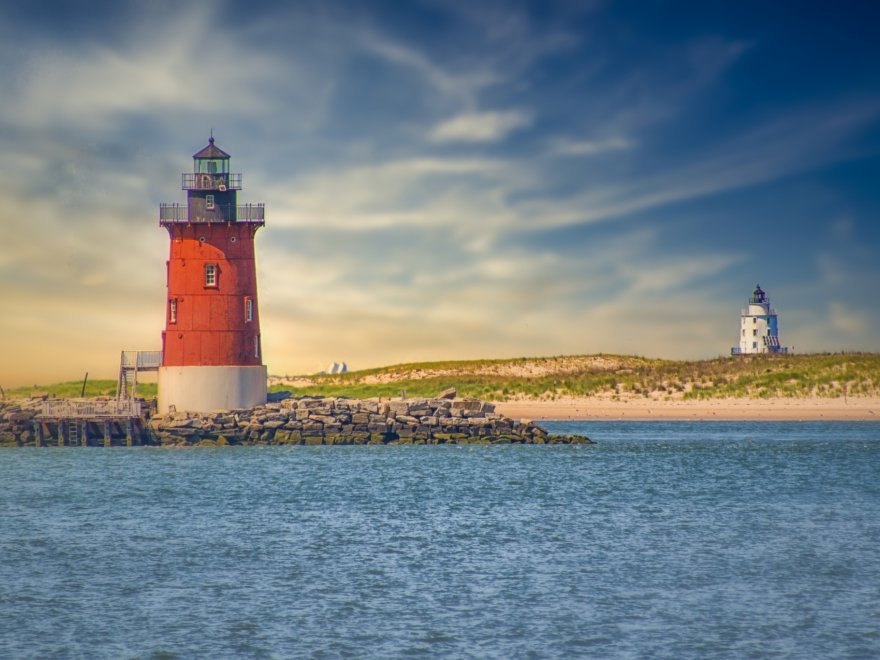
758	327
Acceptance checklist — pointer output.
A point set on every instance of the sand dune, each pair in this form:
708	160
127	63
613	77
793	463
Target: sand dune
853	408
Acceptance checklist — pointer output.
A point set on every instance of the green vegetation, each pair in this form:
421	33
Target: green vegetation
72	389
797	376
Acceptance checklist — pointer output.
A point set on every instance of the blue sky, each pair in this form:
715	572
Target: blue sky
446	179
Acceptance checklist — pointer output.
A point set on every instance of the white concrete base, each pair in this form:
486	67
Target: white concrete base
205	389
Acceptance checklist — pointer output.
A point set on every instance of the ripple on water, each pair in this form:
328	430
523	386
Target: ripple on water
665	539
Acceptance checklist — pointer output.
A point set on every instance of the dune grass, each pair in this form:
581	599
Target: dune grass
72	389
796	376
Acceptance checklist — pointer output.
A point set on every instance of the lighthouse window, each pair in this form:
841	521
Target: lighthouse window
172	310
210	275
209	202
248	310
754	333
257	346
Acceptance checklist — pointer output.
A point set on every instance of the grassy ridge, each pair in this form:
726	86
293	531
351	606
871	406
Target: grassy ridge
72	389
798	376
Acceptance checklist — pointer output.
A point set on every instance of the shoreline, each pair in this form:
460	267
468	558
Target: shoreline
640	409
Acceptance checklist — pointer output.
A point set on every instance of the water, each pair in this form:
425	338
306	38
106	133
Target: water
667	540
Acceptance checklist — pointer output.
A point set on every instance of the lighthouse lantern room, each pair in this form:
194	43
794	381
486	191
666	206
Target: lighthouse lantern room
759	327
211	354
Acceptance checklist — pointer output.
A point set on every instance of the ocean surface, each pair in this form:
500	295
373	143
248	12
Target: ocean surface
664	540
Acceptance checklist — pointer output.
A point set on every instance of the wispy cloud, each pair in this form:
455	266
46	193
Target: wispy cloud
812	138
466	180
425	286
590	147
847	319
423	192
479	126
162	67
462	87
450	191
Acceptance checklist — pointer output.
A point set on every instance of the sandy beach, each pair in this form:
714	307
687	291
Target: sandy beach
852	408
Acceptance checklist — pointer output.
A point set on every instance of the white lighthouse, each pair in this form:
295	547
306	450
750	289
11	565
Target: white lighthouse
758	327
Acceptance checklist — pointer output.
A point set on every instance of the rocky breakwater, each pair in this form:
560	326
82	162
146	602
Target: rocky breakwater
339	421
16	420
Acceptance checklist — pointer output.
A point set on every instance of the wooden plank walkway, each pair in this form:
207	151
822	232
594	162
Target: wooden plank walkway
74	423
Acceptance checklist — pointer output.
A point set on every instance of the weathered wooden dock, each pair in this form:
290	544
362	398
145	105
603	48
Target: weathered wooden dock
79	423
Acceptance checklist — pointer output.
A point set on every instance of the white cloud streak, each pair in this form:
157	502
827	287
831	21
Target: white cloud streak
590	147
779	148
460	87
848	320
479	126
163	68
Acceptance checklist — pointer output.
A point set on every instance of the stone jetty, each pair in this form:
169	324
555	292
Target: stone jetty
320	421
17	421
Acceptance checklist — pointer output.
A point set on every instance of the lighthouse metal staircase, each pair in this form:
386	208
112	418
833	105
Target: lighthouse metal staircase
773	346
130	364
771	342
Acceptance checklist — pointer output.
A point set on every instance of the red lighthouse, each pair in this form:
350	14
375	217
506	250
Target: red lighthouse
211	354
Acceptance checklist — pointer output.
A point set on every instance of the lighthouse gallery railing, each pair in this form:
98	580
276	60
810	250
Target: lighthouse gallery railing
220	213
